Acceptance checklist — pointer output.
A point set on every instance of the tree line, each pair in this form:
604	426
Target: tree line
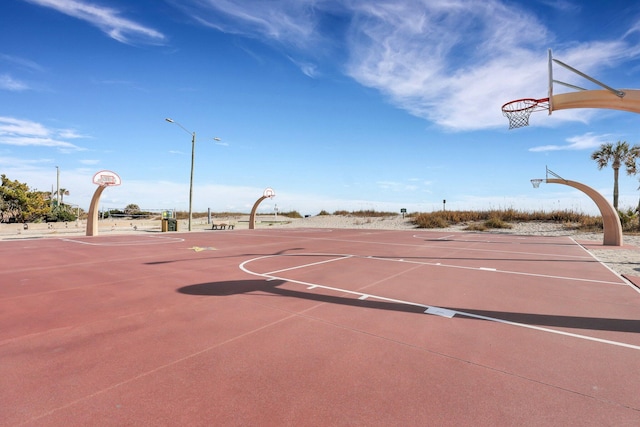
19	203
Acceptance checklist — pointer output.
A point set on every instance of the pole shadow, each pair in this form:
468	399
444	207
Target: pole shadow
272	287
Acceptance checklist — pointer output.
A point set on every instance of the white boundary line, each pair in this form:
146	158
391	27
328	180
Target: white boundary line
427	308
503	251
626	281
159	241
313	263
494	270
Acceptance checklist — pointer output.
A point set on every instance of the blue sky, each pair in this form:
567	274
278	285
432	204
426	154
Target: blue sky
348	104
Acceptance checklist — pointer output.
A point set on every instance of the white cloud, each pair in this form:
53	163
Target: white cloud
89	162
22	164
308	69
456	63
22	63
106	19
453	63
291	22
9	83
70	134
581	142
20	132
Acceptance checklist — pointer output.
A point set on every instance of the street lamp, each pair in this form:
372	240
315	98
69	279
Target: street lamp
193	153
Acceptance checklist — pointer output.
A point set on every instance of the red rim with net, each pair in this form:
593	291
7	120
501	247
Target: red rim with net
518	111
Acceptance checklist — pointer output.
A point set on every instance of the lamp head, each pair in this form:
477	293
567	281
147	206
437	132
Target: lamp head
169	120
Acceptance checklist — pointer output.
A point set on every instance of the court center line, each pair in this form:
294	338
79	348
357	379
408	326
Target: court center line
342	257
490	270
439	264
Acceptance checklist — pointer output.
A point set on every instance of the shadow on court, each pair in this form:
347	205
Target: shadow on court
236	287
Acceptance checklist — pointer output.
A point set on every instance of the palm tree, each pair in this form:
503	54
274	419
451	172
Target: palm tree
63	192
616	154
630	164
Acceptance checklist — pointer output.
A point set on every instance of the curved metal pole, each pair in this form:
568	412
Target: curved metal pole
92	219
610	219
597	99
252	218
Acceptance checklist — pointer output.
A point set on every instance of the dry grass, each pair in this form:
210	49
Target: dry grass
476	220
483	220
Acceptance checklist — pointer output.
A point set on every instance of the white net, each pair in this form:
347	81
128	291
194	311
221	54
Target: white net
518	111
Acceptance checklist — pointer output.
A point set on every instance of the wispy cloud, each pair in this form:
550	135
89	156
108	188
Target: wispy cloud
308	68
25	64
23	133
291	22
107	19
23	164
9	83
70	134
410	186
451	63
581	142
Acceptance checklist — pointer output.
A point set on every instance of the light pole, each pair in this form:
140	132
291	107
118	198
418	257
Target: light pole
57	187
193	156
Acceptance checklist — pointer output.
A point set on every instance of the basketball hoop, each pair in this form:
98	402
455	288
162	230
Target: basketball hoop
106	179
536	182
269	193
518	111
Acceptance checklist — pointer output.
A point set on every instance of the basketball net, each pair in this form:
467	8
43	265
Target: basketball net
518	111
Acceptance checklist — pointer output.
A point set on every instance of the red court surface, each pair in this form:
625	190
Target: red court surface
315	327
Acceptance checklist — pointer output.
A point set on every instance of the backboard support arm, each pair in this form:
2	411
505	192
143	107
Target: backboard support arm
616	92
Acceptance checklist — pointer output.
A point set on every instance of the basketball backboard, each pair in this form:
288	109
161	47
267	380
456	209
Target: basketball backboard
106	178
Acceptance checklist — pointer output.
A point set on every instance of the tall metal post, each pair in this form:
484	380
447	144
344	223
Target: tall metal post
57	187
193	155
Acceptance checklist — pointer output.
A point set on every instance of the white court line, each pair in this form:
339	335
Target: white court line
519	273
148	240
341	257
368	242
428	308
624	279
464	248
313	263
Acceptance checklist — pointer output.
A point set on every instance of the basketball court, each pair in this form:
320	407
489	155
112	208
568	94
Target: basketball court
315	327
